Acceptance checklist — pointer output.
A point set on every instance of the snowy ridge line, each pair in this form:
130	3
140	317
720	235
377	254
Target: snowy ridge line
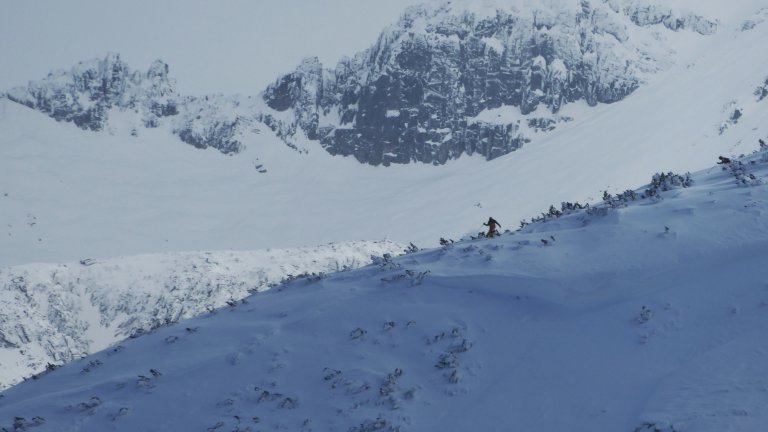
54	313
620	323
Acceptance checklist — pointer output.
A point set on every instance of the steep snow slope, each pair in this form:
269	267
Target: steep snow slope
644	315
52	314
66	194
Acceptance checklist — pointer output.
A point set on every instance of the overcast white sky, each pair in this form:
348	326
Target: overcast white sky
225	46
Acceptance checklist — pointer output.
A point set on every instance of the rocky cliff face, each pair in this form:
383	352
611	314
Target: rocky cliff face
421	93
416	93
92	93
87	92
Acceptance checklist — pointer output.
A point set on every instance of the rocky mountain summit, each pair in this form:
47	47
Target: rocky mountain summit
85	93
96	95
420	93
415	95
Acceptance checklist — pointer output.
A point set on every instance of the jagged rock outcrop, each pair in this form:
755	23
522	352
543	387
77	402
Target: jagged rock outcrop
91	92
414	94
419	94
87	92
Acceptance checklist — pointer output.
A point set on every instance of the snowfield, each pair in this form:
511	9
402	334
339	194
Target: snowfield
68	194
634	315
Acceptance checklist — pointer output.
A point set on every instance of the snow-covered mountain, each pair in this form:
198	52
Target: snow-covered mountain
53	314
417	95
107	95
646	312
68	194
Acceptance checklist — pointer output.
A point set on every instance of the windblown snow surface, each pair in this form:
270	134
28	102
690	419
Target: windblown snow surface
644	314
55	313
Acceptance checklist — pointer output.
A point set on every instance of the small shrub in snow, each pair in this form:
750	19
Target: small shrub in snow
390	383
415	278
597	211
662	182
385	262
21	424
215	427
358	333
411	248
144	382
288	403
447	361
743	178
454	377
308	277
569	207
123	411
462	347
94	402
761	92
267	396
655	427
330	374
394	278
436	338
619	200
645	315
48	368
92	365
378	425
226	402
553	212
